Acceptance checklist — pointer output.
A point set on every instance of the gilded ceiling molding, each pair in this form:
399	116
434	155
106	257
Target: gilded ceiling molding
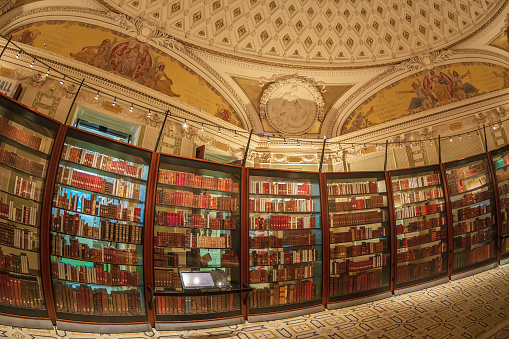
142	31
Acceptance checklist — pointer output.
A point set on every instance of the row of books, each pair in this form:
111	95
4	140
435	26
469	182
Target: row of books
467	185
414	271
215	220
401	198
281	274
286	257
415	211
100	161
471	198
366	248
27	188
179	198
473	238
28	215
288	241
352	219
503	189
14	263
197	181
281	222
346	188
471	212
281	205
420	225
420	253
357	233
195	304
468	171
83	299
355	203
432	235
17	161
167	278
74	224
20	291
416	182
279	188
192	240
10	130
348	284
18	238
475	255
282	294
96	274
473	225
349	265
95	183
79	251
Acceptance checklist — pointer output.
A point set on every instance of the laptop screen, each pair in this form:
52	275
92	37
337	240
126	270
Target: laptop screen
196	279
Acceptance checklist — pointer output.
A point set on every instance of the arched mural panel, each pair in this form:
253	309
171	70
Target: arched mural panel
127	57
426	90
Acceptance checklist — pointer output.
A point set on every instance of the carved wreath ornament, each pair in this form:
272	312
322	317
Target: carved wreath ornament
292	105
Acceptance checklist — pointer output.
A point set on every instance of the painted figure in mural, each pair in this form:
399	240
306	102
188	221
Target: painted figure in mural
28	36
361	121
462	90
131	59
440	87
422	100
99	59
504	75
157	79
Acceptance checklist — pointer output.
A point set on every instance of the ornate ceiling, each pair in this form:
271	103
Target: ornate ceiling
315	32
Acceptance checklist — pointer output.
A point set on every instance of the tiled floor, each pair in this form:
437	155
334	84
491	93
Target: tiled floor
474	307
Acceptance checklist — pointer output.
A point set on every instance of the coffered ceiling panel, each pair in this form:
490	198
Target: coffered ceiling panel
317	32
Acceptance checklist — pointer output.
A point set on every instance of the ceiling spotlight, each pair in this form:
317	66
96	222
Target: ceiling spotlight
377	147
202	129
32	64
431	142
460	137
312	145
268	140
400	145
450	139
501	126
298	143
422	144
131	109
97	96
469	135
62	81
284	141
218	130
235	135
411	144
185	123
149	113
47	72
114	103
365	148
477	132
353	147
494	127
340	146
17	55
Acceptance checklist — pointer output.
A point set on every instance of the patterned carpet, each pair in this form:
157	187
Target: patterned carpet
474	307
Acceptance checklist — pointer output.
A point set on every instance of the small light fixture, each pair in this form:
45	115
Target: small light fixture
477	132
365	148
422	144
235	135
97	96
298	143
450	139
47	72
494	127
17	55
62	81
284	141
149	113
353	147
400	145
114	103
431	142
377	147
202	128
460	137
411	145
32	64
218	130
268	139
469	135
340	146
312	145
501	125
131	109
185	123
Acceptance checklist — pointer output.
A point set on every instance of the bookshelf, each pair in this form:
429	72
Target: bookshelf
359	234
500	159
26	142
472	199
420	226
285	241
97	227
196	228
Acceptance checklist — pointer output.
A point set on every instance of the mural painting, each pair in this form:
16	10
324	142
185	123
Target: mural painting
427	90
502	41
127	57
